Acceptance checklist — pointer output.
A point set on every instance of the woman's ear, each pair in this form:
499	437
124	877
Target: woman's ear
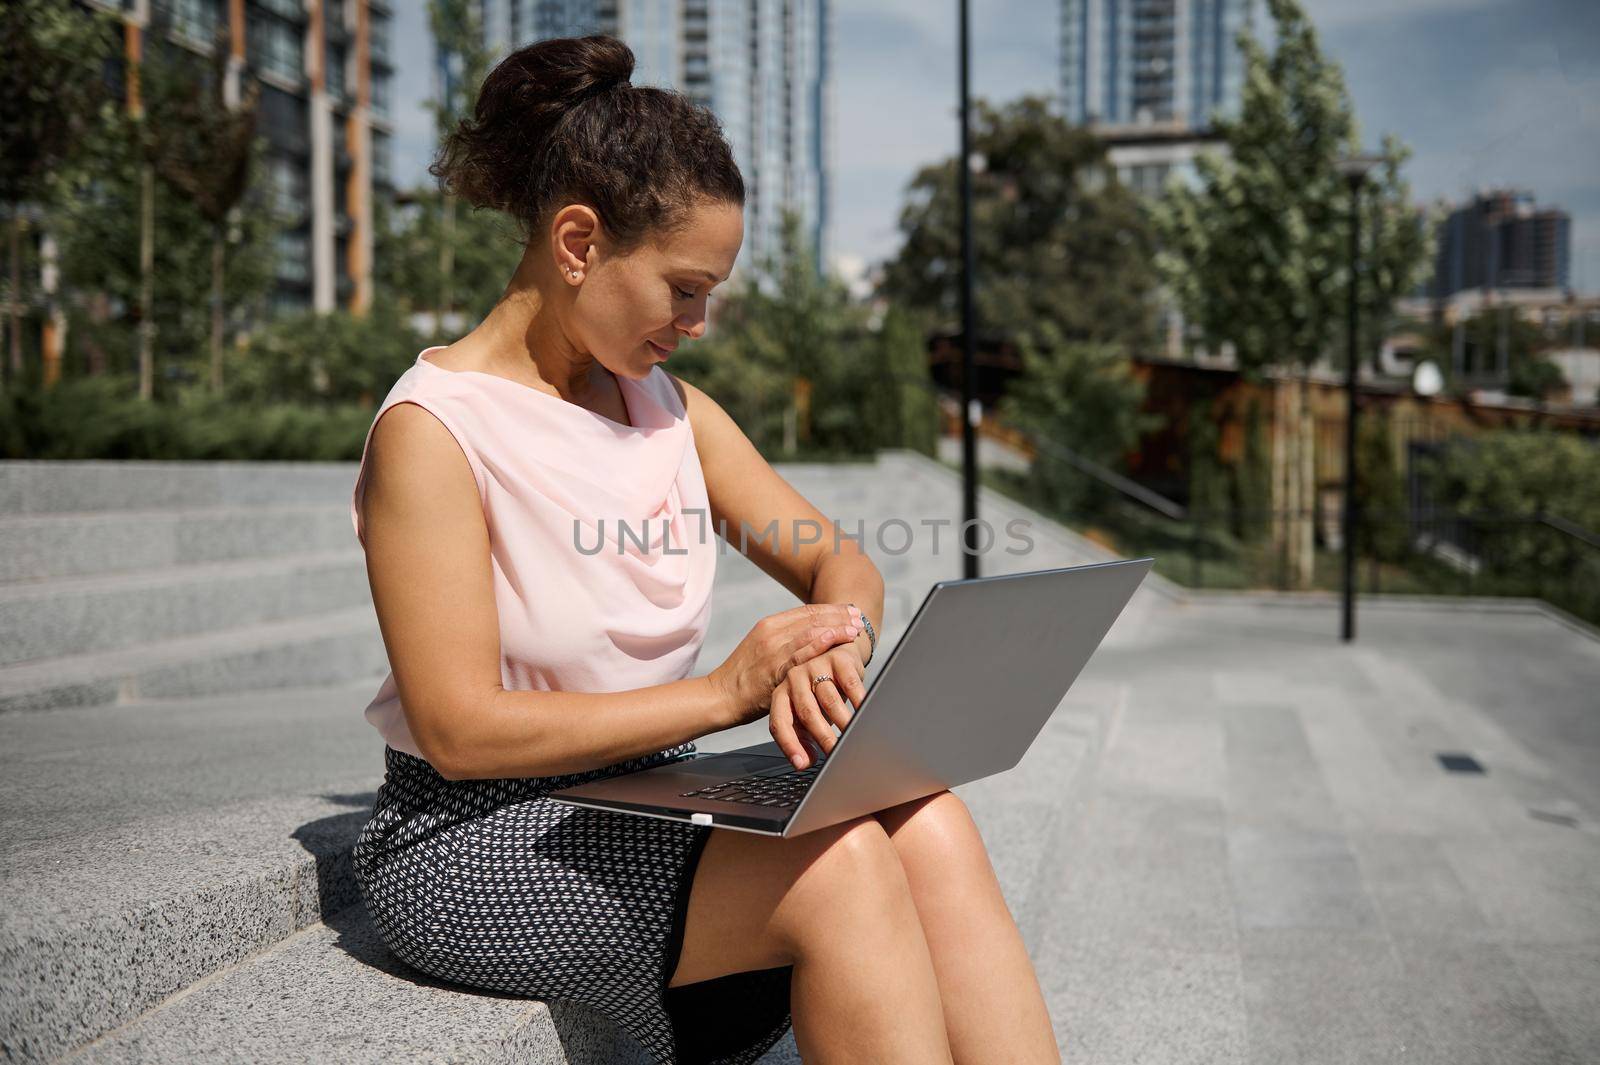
573	233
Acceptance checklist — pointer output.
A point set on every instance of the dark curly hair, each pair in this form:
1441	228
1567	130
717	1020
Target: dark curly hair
559	122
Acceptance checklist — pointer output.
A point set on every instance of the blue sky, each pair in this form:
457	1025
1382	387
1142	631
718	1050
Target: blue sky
1486	92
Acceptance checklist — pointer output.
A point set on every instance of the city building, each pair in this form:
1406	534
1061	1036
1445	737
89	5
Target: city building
1147	77
1498	257
1501	241
762	66
324	69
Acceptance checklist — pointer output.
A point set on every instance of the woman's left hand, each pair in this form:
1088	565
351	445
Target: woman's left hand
803	714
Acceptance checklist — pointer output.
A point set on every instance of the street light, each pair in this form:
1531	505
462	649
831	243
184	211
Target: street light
1426	379
1354	168
969	443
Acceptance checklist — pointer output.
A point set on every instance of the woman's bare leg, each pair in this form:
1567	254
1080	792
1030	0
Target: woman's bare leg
836	904
993	1007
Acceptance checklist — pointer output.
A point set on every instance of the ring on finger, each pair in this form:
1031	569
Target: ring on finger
819	679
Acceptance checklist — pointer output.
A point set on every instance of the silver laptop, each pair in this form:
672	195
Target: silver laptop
980	669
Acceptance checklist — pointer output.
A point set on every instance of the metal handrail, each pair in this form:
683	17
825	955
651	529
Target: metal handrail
1133	489
1571	528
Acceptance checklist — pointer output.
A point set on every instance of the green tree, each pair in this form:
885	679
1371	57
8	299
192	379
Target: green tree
1536	378
209	155
1382	519
1251	485
1063	266
135	249
457	28
51	96
1208	476
789	355
1081	395
1056	239
1258	253
1520	472
804	369
320	360
902	408
1501	482
483	250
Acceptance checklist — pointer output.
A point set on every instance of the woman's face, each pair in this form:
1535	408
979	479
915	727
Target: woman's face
630	312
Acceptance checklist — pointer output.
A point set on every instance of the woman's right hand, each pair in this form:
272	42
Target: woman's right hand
777	644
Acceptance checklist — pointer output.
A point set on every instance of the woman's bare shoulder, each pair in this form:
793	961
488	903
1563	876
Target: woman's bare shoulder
415	466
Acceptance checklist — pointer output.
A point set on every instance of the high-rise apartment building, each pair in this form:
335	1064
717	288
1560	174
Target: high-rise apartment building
762	66
324	68
1141	62
1501	241
1147	76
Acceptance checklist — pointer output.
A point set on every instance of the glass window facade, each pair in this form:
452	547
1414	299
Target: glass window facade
293	257
282	120
1135	62
378	38
276	47
381	163
336	72
288	180
294	10
195	20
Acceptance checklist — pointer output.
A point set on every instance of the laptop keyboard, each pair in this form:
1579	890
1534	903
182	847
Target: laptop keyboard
784	787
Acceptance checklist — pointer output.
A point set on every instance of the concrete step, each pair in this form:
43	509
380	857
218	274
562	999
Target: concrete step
52	487
100	931
184	892
77	615
141	852
184	870
43	546
328	648
334	988
333	992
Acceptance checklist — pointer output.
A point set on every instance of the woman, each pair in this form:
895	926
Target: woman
534	644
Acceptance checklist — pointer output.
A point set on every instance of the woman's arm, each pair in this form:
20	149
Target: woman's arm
744	491
850	577
526	733
432	584
819	562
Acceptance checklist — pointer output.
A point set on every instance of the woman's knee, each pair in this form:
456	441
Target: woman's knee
846	869
937	829
849	845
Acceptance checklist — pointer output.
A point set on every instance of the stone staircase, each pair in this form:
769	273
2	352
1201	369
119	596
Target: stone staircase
185	649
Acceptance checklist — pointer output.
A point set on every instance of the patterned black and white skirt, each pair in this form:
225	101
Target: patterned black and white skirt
491	884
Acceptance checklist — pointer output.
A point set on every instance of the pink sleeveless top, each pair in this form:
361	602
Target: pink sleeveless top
602	566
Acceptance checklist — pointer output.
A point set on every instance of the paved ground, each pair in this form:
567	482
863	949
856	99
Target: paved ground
1271	865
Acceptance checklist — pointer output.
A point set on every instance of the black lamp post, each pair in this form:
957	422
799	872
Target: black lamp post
969	444
1355	169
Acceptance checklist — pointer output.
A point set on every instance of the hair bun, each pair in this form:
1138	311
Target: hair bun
546	129
597	64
